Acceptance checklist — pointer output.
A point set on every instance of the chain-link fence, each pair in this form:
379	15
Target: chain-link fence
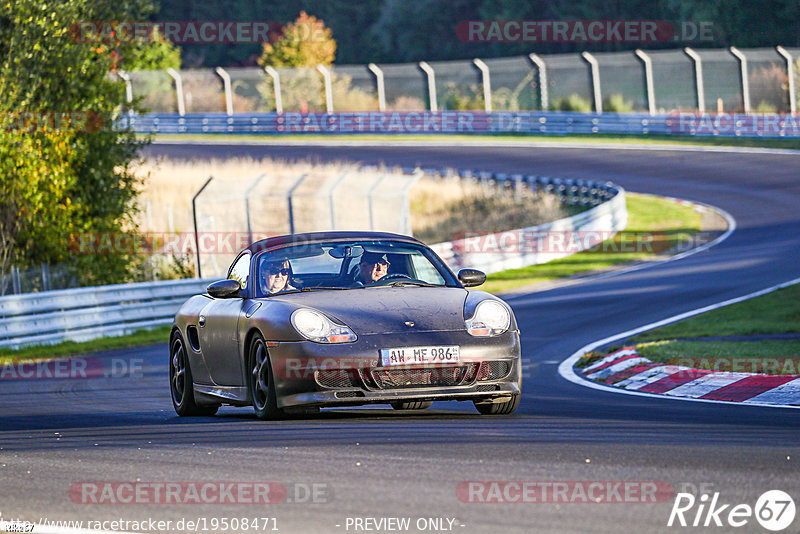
729	80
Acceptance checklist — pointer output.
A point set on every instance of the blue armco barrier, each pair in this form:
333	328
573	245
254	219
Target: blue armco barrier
470	122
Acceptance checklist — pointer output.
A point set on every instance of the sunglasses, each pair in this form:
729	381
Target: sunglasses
285	271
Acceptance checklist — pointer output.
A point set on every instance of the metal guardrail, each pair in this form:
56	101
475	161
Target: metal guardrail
470	122
86	313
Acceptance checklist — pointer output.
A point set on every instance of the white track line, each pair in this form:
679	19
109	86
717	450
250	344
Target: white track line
565	369
438	143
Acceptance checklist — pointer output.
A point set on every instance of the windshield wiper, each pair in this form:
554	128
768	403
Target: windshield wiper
401	283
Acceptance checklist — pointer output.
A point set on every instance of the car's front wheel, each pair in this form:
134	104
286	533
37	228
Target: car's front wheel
180	382
498	408
412	405
262	381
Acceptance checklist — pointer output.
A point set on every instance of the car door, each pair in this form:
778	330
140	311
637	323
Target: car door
219	330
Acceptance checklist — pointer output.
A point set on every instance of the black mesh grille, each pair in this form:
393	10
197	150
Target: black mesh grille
423	377
488	387
337	378
494	370
348	394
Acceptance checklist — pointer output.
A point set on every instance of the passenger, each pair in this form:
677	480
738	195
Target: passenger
373	267
275	277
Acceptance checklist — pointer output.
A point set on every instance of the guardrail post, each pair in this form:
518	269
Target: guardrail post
428	70
178	90
326	77
541	67
598	96
276	86
648	77
376	70
247	192
744	77
226	82
289	199
487	84
790	71
698	78
194	221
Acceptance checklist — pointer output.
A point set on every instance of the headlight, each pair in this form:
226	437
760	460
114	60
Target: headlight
490	319
314	326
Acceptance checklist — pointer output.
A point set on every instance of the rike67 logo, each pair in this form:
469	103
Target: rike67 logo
774	510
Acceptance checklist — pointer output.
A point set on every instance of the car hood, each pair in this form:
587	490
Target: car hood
377	310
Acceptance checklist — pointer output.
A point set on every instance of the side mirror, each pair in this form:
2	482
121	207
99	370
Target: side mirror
471	277
224	289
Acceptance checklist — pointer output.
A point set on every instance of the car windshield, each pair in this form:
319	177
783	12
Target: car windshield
356	264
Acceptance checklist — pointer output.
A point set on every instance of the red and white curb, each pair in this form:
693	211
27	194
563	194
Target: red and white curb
779	395
626	369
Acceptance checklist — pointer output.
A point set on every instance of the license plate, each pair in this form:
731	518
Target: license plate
420	355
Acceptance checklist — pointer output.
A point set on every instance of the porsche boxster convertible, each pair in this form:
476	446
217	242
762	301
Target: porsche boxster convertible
343	319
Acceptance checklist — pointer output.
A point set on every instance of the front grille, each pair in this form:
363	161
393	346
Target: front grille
422	377
337	378
348	394
494	370
487	387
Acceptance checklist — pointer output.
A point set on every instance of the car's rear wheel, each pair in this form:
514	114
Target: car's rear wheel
180	382
262	382
498	408
411	405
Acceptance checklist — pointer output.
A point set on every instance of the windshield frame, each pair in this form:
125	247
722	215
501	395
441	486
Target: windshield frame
450	279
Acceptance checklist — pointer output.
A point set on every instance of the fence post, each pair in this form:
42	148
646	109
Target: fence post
405	216
744	76
15	280
276	86
194	221
370	193
226	82
376	70
124	76
487	84
598	96
326	77
542	68
247	192
289	199
45	277
428	70
698	76
178	90
331	203
790	71
648	77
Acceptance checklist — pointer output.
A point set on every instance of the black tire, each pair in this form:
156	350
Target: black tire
181	385
261	382
411	405
499	408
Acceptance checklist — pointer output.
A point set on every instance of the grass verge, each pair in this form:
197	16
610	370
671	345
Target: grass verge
757	142
655	226
700	342
139	338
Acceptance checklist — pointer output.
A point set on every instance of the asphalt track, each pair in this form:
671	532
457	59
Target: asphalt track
379	463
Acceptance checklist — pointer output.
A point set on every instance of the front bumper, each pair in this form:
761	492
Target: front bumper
349	374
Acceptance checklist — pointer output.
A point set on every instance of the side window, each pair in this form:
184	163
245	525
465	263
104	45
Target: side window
241	270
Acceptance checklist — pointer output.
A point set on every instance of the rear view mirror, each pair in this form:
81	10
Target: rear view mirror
471	277
224	289
346	252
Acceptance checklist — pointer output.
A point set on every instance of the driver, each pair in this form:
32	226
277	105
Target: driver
275	276
373	267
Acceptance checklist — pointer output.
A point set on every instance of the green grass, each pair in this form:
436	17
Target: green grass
573	138
70	348
766	356
775	313
668	222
